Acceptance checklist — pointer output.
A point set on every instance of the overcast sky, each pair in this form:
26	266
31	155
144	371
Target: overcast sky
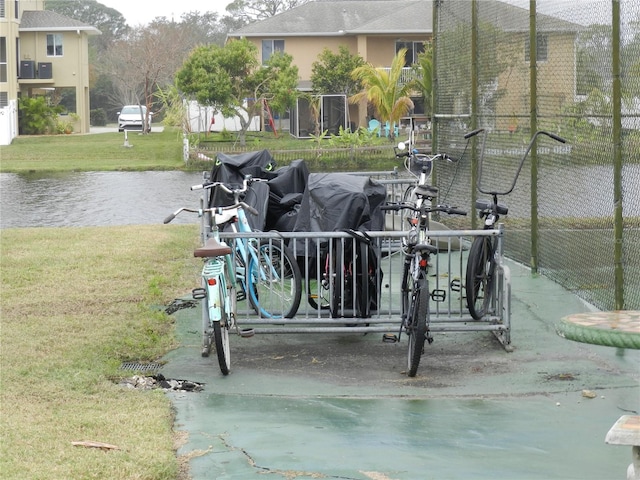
143	11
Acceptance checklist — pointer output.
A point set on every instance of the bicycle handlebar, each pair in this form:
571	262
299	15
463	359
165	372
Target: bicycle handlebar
494	193
202	211
438	156
473	133
248	180
409	206
557	138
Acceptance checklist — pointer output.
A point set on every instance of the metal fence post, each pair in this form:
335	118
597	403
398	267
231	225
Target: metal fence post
617	156
533	82
474	107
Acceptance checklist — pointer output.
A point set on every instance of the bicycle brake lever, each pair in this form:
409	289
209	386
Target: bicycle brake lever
249	208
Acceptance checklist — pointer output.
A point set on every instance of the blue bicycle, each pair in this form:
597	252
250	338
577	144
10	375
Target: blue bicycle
264	271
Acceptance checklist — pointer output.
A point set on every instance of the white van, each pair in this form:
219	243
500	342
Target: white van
131	117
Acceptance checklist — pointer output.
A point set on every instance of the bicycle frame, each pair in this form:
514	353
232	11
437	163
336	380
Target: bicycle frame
237	219
256	264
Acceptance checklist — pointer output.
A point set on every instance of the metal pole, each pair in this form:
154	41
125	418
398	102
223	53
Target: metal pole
474	108
533	118
617	156
434	75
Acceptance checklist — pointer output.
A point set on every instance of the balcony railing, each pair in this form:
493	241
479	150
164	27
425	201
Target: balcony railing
408	74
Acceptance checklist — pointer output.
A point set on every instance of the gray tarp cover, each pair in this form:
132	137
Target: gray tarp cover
338	201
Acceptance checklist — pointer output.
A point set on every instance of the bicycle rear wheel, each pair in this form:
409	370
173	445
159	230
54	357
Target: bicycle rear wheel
274	280
317	283
479	281
317	295
417	325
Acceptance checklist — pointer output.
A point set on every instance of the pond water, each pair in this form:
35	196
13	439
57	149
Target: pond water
133	198
77	199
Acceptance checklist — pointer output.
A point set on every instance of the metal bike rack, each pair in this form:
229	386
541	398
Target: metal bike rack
447	277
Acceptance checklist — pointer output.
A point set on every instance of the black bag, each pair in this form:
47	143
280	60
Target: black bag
358	276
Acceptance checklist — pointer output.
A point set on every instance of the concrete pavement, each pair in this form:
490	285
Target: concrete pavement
340	406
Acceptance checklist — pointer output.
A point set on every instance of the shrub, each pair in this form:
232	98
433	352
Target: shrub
98	117
36	116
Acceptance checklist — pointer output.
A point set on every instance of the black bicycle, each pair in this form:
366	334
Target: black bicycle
481	263
417	250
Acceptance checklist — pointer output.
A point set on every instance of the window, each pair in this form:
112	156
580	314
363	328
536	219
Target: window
54	45
16	9
413	50
3	59
4	99
541	48
269	47
1	8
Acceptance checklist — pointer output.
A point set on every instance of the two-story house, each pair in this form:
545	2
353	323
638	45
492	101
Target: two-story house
374	29
41	53
377	29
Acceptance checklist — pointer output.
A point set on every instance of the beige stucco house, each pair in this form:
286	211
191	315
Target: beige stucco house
41	53
377	29
374	29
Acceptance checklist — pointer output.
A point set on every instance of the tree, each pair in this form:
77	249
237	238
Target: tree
244	12
231	80
423	70
203	28
146	60
108	20
384	90
593	54
331	73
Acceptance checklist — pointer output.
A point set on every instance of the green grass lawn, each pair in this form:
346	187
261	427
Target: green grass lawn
76	303
96	152
163	151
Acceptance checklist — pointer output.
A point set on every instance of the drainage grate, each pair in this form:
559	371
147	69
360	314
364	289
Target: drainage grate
141	367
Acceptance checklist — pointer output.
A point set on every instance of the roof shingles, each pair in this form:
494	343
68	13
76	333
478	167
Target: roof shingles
366	17
346	17
33	20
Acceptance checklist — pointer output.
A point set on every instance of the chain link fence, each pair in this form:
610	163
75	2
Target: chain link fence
574	214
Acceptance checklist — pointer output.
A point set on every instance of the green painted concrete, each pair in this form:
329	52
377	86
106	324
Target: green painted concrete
340	406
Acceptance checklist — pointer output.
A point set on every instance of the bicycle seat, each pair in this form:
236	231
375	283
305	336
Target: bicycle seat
426	191
212	248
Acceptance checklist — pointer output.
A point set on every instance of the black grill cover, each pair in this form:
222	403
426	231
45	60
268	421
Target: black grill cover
338	201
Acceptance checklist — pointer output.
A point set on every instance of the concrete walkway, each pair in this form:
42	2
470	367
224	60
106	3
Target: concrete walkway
339	406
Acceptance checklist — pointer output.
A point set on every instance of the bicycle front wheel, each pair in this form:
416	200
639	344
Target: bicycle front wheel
479	281
417	324
274	280
220	327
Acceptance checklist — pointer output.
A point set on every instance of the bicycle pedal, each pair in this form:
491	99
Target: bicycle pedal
198	293
240	296
429	339
389	338
438	295
456	285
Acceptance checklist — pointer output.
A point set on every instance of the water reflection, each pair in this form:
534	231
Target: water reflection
94	198
132	198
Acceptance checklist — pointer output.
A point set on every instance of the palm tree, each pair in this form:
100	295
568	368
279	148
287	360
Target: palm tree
423	71
384	91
